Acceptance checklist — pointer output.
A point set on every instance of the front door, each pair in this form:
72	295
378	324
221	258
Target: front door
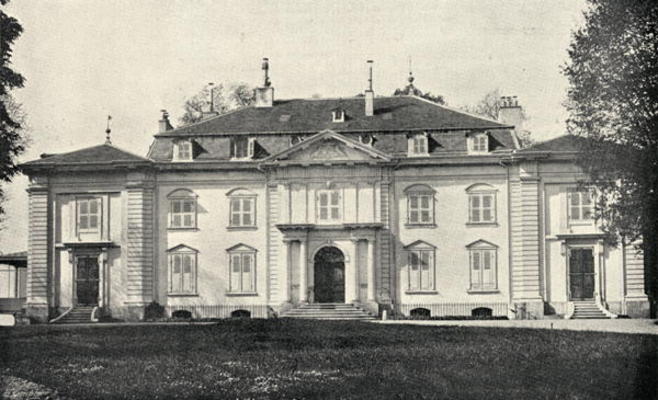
329	276
581	274
87	280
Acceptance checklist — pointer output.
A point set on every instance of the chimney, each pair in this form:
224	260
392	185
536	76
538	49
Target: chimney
164	123
264	95
510	112
211	108
370	95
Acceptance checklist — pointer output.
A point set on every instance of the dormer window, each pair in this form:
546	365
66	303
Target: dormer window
242	148
478	143
338	115
183	150
367	139
417	145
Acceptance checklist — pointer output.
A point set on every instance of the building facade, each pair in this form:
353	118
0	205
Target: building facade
387	203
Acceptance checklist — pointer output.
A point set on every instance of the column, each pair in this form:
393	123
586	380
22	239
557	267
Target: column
354	276
371	270
303	284
38	258
101	278
285	257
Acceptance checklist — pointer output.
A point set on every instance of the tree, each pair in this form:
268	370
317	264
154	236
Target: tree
489	106
12	143
411	90
225	98
612	102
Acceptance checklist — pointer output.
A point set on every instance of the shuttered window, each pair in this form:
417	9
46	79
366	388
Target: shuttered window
182	277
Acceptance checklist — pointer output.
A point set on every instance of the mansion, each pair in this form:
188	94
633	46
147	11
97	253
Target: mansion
393	204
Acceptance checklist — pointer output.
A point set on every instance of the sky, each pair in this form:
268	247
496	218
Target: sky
86	59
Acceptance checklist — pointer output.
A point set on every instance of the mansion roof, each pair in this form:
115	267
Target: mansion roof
101	154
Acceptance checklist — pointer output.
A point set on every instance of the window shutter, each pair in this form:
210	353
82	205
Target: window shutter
250	148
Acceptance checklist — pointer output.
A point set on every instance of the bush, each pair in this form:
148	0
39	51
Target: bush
153	311
240	314
482	312
420	313
181	314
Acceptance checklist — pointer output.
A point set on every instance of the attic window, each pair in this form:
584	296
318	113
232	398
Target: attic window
338	115
367	139
183	150
417	145
284	118
242	148
478	143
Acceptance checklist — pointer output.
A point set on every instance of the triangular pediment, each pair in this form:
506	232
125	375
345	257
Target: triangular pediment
182	248
328	146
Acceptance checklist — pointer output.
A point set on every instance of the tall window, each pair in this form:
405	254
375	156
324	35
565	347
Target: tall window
182	270
479	143
417	145
481	204
328	203
242	147
88	214
183	151
182	209
420	265
242	211
420	205
242	260
482	259
8	281
580	205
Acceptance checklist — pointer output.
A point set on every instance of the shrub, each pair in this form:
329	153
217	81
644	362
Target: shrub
240	314
181	314
153	311
482	312
420	313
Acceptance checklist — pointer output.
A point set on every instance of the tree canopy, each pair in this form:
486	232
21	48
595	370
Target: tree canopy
226	97
12	142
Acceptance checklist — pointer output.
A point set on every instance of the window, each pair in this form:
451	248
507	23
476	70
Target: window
420	264
482	260
481	204
338	115
242	211
328	205
183	151
8	281
367	139
242	148
182	209
420	205
242	265
182	270
89	214
417	145
479	143
580	205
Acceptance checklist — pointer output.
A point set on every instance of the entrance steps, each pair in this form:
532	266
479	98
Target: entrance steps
588	309
336	311
78	315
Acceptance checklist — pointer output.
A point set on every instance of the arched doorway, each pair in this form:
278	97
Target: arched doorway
329	276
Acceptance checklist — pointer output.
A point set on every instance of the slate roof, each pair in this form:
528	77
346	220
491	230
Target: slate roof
560	143
397	113
101	154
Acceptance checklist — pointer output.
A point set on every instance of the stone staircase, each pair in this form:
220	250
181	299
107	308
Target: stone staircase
588	309
79	315
336	311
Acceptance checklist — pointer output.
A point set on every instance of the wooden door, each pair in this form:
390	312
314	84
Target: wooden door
329	276
87	280
581	274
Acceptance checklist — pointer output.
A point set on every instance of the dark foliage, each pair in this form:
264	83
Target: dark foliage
11	142
613	98
154	311
181	314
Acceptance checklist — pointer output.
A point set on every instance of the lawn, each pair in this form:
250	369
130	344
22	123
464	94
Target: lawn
330	359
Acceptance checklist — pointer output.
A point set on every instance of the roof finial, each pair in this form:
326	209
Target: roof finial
265	66
108	131
370	75
411	75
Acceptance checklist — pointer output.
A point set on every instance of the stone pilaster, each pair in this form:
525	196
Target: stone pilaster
38	259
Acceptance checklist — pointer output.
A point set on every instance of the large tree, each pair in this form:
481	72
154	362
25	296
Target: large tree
613	103
12	142
226	97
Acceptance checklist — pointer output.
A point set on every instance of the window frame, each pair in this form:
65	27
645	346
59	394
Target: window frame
242	198
11	283
480	190
482	248
581	220
415	283
182	196
251	144
419	195
413	140
338	115
178	147
329	206
476	139
182	252
99	214
242	251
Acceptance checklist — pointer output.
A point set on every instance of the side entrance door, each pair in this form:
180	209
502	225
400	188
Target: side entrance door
581	274
87	280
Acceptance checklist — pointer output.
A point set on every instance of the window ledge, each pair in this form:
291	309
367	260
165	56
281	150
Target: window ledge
183	294
183	229
236	294
580	223
421	292
242	228
482	223
482	291
416	226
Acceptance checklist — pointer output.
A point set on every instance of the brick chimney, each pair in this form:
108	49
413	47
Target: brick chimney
164	124
264	95
370	94
510	112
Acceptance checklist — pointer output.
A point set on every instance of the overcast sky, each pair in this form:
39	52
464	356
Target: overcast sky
85	59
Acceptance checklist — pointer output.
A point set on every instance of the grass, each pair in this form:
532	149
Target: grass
333	359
